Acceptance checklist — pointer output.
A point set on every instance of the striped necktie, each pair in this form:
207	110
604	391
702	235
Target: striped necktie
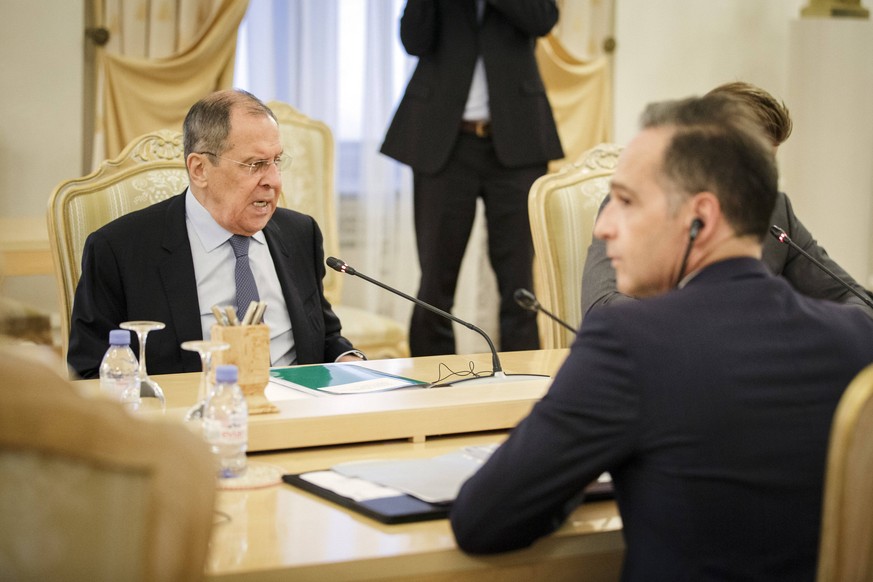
246	289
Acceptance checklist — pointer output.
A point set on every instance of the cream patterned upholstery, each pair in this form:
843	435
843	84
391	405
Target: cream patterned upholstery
308	185
88	492
563	207
150	169
846	552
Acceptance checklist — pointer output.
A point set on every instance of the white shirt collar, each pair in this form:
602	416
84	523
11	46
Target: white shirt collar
211	234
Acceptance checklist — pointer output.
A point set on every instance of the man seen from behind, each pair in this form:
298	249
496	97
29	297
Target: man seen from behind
710	400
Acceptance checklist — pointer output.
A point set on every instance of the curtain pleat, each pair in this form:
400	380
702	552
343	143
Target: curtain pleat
162	57
580	93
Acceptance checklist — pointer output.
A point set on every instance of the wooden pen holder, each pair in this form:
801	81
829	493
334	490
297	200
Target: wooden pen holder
250	352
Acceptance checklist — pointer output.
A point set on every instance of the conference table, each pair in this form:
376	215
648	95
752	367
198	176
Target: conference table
279	532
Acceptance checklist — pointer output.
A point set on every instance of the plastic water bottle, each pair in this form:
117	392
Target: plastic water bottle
119	370
226	422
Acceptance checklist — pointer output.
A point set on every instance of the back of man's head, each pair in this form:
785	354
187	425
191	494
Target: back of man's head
771	114
716	146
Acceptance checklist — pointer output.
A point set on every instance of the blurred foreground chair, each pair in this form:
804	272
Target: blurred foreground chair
88	492
563	207
150	169
308	185
846	552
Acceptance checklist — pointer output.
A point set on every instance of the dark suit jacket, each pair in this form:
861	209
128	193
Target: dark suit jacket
710	406
447	39
598	276
139	267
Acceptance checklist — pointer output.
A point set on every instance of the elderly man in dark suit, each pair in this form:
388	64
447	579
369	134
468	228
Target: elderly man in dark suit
474	122
710	400
172	261
598	278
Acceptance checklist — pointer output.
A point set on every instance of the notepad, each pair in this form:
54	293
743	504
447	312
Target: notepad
335	379
433	480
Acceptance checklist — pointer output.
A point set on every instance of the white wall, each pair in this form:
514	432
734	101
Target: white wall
41	69
671	49
829	158
41	45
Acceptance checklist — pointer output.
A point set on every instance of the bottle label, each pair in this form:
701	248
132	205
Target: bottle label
122	389
229	432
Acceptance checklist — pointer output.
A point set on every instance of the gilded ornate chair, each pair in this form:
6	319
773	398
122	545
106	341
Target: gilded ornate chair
563	207
846	551
150	169
308	187
87	492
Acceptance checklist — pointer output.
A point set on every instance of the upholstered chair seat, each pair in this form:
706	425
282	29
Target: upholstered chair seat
308	185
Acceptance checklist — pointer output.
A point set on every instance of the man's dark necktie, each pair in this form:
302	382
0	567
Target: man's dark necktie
246	289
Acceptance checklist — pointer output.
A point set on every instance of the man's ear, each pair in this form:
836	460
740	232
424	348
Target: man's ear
706	208
198	169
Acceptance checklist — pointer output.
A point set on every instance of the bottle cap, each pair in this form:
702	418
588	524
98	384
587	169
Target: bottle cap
226	374
119	337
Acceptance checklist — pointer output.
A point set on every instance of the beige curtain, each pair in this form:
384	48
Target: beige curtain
162	56
576	65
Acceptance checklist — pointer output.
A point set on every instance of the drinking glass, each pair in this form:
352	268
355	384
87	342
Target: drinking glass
205	349
147	386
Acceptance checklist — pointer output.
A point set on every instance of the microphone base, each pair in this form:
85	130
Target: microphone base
498	378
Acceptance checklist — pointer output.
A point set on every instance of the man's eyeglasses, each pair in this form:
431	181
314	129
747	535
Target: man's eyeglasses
258	167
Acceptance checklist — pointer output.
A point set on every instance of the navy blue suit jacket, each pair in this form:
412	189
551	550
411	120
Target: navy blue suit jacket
710	406
139	267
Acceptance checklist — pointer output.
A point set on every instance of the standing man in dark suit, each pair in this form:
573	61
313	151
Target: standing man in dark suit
474	122
172	261
709	401
598	278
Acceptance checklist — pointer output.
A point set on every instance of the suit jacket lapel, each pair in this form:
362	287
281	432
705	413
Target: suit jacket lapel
284	257
177	274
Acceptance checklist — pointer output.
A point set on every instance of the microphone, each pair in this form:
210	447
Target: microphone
783	237
497	374
527	300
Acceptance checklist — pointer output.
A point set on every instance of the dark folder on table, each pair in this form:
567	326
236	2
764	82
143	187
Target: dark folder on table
403	491
391	510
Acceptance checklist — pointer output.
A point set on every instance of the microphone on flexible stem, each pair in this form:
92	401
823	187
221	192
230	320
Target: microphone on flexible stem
783	237
528	300
497	375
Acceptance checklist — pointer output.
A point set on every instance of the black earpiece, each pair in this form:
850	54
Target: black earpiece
693	231
696	225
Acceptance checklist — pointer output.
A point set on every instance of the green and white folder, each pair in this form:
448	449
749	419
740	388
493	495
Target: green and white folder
327	379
